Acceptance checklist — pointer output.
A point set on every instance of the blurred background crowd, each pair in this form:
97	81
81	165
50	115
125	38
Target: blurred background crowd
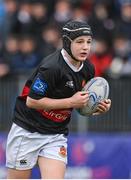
31	29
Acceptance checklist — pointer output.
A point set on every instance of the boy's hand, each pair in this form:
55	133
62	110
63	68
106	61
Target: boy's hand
79	99
103	107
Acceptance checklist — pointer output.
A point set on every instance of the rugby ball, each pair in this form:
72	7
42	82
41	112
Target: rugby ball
98	89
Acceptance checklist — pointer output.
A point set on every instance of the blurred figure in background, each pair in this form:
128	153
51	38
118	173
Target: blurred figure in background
4	68
101	56
121	63
24	20
2	14
87	6
50	41
10	52
79	14
9	19
100	20
62	13
20	53
39	16
29	55
123	23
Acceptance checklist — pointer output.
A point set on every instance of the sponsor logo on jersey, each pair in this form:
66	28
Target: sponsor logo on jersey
63	151
56	115
39	86
69	84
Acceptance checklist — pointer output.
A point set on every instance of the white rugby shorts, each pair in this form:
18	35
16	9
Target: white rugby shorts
24	148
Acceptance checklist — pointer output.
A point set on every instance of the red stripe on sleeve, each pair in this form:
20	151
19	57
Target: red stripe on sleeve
25	92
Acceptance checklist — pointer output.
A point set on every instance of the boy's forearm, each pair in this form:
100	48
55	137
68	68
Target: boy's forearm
49	104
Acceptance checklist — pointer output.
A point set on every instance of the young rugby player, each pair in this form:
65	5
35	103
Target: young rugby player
43	110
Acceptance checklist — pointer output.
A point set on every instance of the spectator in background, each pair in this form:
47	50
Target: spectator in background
121	63
100	21
24	23
50	40
9	19
10	52
29	56
39	14
62	13
123	23
87	6
50	4
101	57
2	12
20	53
79	14
4	68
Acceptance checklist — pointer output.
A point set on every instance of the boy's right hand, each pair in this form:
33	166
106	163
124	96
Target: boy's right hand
79	99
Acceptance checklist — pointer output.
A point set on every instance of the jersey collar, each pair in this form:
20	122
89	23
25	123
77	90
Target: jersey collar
69	64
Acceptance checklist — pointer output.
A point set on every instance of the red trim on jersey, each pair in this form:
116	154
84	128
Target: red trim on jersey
25	92
56	115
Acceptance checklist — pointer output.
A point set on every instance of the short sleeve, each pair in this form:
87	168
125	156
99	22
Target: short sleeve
42	85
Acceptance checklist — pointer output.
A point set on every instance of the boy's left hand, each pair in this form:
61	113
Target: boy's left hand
103	107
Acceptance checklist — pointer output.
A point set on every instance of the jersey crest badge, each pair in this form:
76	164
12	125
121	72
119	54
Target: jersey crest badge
39	86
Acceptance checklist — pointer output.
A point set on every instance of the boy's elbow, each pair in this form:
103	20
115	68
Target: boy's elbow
30	102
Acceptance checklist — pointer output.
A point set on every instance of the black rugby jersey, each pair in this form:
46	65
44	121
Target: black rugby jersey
54	78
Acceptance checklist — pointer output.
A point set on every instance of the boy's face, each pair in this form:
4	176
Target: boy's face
80	47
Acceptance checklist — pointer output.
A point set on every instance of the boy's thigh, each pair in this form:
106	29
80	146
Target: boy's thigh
51	168
18	174
53	158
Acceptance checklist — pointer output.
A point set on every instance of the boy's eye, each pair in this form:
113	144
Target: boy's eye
88	42
79	41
